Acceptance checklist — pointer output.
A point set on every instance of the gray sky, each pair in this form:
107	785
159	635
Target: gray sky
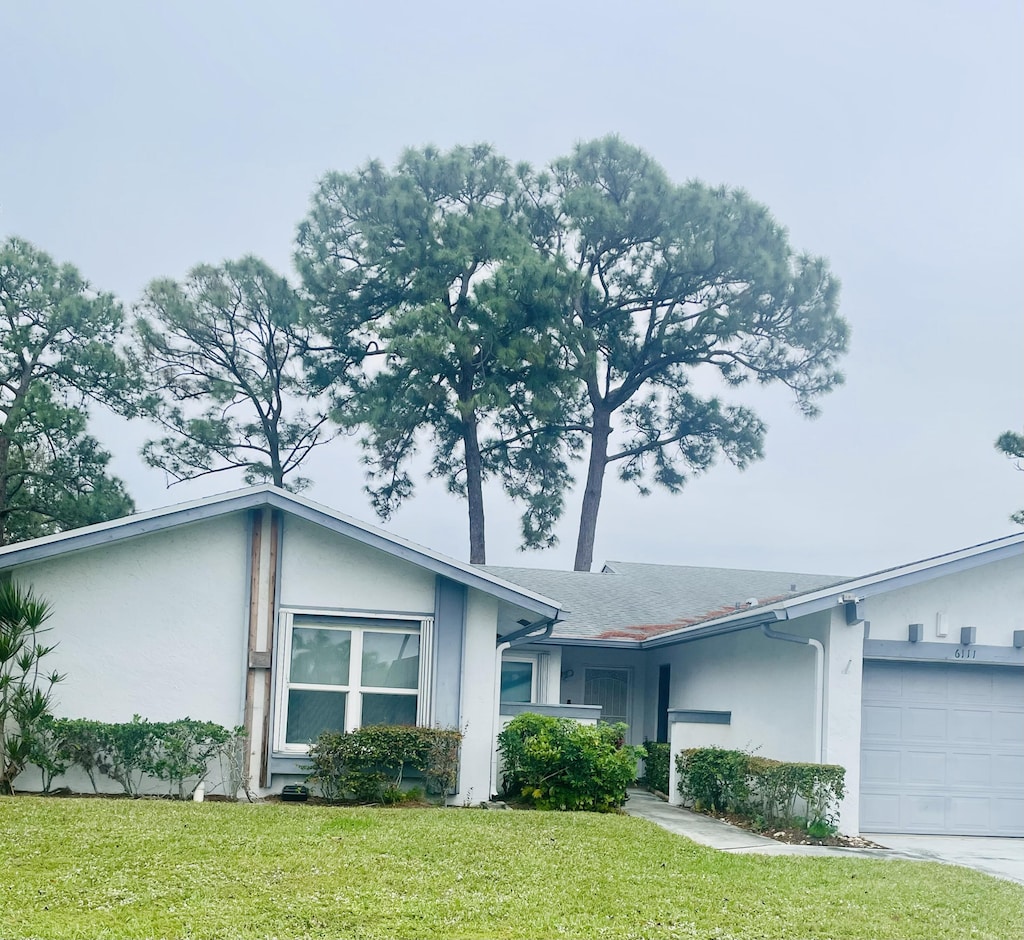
141	139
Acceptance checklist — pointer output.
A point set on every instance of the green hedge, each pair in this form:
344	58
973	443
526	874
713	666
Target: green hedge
368	765
656	764
558	763
178	753
712	778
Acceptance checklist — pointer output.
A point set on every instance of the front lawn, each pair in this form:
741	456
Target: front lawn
133	869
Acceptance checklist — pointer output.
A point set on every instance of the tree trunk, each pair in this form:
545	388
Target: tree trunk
599	437
276	470
474	490
5	456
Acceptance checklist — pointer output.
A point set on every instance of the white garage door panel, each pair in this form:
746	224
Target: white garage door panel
942	749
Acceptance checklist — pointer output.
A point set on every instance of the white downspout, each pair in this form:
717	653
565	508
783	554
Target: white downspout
819	681
496	718
527	634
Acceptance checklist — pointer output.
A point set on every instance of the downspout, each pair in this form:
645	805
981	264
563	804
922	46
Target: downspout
819	678
518	637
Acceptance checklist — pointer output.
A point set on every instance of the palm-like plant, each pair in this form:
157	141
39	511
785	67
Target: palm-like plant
25	689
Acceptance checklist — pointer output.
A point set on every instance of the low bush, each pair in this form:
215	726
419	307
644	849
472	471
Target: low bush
176	752
368	765
127	752
656	765
184	750
80	742
714	778
774	791
558	763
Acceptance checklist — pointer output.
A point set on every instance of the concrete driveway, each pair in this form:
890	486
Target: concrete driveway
1003	858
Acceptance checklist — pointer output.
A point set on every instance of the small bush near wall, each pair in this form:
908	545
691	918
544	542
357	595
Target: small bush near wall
558	763
656	764
774	792
177	752
368	765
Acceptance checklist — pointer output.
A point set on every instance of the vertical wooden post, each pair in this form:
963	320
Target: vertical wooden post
255	546
271	611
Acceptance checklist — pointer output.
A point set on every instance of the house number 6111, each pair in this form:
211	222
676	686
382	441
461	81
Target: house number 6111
965	653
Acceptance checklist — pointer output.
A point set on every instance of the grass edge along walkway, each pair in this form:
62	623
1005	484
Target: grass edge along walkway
73	868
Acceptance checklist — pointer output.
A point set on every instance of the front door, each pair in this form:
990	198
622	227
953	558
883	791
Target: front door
608	688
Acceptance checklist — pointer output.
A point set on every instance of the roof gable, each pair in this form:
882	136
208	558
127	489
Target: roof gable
631	601
646	605
266	496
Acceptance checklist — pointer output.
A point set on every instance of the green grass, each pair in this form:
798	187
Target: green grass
132	869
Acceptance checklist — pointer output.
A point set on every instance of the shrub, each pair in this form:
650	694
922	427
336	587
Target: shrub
656	765
129	752
714	778
231	757
368	765
47	751
182	750
558	763
80	743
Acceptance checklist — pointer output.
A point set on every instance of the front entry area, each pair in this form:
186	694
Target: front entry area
608	688
942	749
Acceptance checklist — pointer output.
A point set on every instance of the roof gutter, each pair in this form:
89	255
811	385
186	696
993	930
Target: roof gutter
688	634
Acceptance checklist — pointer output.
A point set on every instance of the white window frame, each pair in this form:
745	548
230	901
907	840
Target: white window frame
534	660
353	621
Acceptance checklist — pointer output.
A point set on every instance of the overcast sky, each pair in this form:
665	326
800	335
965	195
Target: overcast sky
141	139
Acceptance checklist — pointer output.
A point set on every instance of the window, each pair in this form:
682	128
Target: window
341	673
517	680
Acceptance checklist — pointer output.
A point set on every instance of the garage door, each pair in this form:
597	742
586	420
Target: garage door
942	749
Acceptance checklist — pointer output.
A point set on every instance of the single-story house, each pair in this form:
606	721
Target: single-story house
265	609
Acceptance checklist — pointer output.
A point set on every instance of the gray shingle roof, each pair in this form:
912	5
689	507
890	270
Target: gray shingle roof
633	601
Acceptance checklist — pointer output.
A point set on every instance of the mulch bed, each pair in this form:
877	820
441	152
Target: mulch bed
794	836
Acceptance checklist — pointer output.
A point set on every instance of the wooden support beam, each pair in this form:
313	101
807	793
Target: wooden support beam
255	547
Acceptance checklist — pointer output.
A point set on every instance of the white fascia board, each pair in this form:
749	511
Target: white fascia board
264	496
116	530
880	582
618	644
747	620
895	578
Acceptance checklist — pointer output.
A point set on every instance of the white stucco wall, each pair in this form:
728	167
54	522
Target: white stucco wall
989	597
843	676
477	701
768	686
155	625
321	569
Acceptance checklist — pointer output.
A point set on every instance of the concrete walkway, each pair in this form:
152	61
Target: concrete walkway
1003	858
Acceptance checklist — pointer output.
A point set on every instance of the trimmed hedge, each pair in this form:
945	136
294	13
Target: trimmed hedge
558	763
656	765
713	778
176	752
368	765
